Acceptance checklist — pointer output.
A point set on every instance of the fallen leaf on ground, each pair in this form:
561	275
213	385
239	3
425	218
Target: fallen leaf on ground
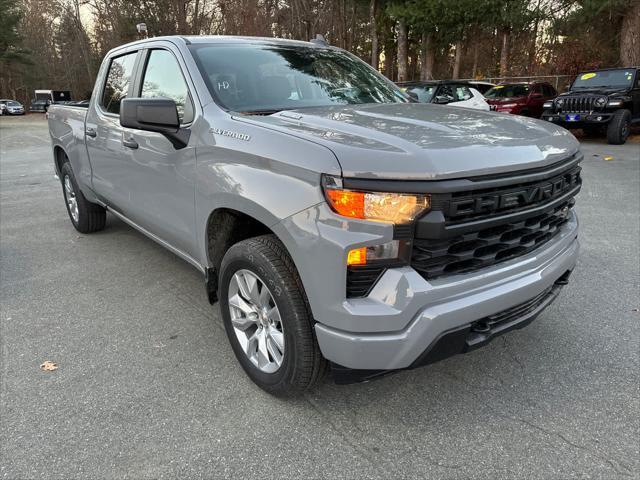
49	366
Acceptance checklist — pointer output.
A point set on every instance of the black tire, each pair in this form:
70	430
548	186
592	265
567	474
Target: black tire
619	127
91	217
302	362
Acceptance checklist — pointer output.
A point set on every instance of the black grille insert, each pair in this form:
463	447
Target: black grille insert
462	206
485	247
580	104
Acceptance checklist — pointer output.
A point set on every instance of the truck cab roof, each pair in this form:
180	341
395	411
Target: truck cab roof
223	40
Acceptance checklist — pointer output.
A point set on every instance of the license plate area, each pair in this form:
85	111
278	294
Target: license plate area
572	118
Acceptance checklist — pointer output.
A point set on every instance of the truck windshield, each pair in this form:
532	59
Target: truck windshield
266	79
604	79
508	91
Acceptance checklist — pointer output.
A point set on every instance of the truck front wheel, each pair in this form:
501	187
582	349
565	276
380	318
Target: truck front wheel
267	317
86	217
619	127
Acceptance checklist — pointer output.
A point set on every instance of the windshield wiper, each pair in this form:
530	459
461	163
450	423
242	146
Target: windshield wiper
263	111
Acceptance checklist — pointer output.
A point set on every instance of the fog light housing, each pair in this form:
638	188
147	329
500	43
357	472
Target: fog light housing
374	253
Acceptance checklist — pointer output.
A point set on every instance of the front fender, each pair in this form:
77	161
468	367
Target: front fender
267	175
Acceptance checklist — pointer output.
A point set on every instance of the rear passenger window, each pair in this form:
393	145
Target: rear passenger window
456	93
163	79
462	93
118	80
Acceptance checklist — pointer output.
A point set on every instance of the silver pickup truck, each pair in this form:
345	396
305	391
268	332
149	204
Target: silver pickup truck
339	225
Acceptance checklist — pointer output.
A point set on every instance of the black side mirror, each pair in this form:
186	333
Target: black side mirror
441	99
154	115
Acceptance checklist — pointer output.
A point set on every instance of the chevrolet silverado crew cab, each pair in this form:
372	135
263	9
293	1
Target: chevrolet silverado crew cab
339	225
598	101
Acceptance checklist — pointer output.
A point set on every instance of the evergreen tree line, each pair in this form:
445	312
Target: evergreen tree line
59	44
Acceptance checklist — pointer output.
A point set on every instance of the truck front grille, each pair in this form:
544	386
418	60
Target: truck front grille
488	246
479	222
471	230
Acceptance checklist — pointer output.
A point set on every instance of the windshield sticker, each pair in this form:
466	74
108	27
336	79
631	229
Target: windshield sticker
498	87
629	75
587	76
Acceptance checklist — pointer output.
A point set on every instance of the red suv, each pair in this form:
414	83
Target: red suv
520	98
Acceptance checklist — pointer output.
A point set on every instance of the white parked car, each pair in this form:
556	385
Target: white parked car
11	107
446	92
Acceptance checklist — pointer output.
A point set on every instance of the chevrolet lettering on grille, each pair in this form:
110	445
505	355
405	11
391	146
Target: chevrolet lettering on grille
522	197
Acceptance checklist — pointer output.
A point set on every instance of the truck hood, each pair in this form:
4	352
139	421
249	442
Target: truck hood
595	91
422	141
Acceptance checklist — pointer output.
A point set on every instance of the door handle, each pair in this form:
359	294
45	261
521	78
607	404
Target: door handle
90	132
130	142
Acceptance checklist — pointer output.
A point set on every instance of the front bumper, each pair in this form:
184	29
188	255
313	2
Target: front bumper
582	119
397	350
465	338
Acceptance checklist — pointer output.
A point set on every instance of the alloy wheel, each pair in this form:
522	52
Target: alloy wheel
70	197
256	321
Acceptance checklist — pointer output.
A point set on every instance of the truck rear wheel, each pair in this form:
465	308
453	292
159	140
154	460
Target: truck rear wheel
267	317
86	217
619	127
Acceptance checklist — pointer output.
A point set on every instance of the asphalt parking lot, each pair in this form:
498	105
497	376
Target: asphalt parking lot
148	387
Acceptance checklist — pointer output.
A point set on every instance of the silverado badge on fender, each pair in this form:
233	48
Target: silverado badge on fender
229	133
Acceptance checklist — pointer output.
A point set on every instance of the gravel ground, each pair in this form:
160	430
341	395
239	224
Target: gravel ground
147	385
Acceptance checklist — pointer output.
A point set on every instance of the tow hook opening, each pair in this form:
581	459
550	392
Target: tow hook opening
481	327
564	279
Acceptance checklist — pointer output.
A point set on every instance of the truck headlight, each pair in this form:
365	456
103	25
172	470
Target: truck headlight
601	101
559	102
397	208
547	105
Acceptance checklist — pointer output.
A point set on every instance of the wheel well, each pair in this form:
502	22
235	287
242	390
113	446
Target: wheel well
226	227
59	157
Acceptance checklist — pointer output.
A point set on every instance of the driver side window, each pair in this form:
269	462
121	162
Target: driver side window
163	79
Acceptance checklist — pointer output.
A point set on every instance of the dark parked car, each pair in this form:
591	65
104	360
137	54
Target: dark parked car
598	100
11	107
520	98
39	106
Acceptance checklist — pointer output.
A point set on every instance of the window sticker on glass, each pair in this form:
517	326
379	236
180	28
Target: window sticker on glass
587	76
